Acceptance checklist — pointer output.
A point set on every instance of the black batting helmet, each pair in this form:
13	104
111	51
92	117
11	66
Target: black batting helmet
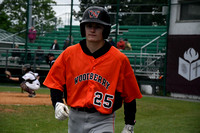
97	15
26	68
50	54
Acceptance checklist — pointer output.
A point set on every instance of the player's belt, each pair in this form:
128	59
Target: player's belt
88	110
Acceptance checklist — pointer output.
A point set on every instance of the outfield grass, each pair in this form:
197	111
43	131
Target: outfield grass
43	90
154	115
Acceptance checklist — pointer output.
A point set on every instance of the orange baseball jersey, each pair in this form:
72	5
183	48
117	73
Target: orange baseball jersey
92	82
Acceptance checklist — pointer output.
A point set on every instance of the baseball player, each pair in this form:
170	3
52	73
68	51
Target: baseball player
29	82
97	77
50	59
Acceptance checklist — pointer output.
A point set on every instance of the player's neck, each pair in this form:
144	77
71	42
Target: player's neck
94	46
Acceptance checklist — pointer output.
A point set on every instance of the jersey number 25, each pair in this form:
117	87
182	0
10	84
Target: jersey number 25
107	101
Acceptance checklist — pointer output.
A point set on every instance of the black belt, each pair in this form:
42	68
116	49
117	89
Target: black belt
88	110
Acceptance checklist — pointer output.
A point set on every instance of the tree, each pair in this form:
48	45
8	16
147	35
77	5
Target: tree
14	12
5	23
127	9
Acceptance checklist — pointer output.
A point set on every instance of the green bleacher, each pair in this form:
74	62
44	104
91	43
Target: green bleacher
60	34
138	36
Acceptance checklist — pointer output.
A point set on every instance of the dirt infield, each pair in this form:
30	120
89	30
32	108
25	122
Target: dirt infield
23	99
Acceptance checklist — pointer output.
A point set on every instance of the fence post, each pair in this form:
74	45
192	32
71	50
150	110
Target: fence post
157	48
13	41
135	63
70	28
140	19
117	22
55	23
6	59
34	61
42	29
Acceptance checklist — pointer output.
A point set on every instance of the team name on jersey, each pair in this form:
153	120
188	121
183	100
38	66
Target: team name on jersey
94	77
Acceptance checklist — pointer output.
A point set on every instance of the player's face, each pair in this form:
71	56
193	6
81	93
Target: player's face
94	32
51	58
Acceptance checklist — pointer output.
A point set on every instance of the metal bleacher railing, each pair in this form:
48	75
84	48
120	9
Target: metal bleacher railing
145	64
149	43
152	58
141	57
7	62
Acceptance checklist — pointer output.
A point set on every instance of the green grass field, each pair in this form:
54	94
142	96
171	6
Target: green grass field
154	115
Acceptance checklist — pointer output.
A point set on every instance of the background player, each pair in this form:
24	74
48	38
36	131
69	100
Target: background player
97	78
50	59
29	82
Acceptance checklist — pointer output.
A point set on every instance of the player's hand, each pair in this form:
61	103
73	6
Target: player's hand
128	129
61	111
8	74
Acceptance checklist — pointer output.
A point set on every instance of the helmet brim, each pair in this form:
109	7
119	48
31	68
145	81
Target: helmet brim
95	21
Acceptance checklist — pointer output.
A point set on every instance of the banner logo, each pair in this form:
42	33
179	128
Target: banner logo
93	13
189	66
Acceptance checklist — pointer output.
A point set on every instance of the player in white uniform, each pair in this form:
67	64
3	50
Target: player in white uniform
30	76
29	82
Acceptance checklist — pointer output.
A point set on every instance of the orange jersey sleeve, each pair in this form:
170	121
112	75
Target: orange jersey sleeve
127	83
56	76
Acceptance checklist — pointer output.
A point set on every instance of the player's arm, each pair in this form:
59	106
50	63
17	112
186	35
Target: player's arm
61	110
56	96
14	78
129	112
56	87
131	90
9	76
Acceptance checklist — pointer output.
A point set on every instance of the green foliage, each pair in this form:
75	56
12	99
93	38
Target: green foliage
5	23
14	13
127	9
42	12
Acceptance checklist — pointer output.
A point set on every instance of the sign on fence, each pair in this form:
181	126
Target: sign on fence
183	64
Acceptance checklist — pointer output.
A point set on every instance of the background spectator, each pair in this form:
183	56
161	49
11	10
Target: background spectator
32	35
15	56
72	39
110	40
121	44
55	45
127	44
66	44
50	59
